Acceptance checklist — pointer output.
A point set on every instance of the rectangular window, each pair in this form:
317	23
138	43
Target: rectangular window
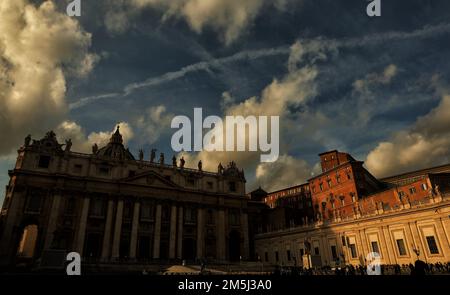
44	161
190	182
334	252
432	245
338	179
316	251
77	168
353	250
70	206
234	217
210	217
190	215
424	186
103	171
34	203
329	183
232	186
266	256
288	254
375	247
209	184
401	247
147	211
127	210
321	187
401	194
412	190
96	208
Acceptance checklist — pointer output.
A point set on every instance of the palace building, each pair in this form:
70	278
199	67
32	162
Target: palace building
402	217
115	210
121	213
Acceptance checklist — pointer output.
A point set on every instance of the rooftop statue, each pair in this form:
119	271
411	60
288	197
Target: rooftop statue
152	155
182	162
68	145
174	161
27	140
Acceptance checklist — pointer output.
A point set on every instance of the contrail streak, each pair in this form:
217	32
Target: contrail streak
308	44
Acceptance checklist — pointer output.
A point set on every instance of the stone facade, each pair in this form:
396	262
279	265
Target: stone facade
110	207
402	217
398	236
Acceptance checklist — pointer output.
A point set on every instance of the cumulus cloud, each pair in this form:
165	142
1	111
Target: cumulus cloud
285	172
39	48
153	123
227	17
425	144
365	92
363	85
83	143
294	89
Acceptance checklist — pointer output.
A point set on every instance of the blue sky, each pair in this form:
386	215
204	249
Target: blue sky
374	87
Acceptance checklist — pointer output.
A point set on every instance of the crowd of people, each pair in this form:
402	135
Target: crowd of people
418	268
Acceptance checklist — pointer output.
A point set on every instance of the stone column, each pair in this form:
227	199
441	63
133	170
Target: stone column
200	233
107	236
326	258
157	232
441	238
417	241
409	243
134	230
173	232
390	245
117	230
8	241
221	241
244	227
364	245
180	233
52	221
81	233
359	246
384	247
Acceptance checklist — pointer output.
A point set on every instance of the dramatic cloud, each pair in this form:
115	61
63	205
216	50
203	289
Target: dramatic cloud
153	123
228	17
293	90
364	92
425	144
285	172
83	143
39	48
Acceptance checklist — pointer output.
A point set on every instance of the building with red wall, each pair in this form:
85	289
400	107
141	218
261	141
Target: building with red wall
345	188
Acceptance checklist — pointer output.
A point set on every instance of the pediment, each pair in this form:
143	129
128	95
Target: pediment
150	178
